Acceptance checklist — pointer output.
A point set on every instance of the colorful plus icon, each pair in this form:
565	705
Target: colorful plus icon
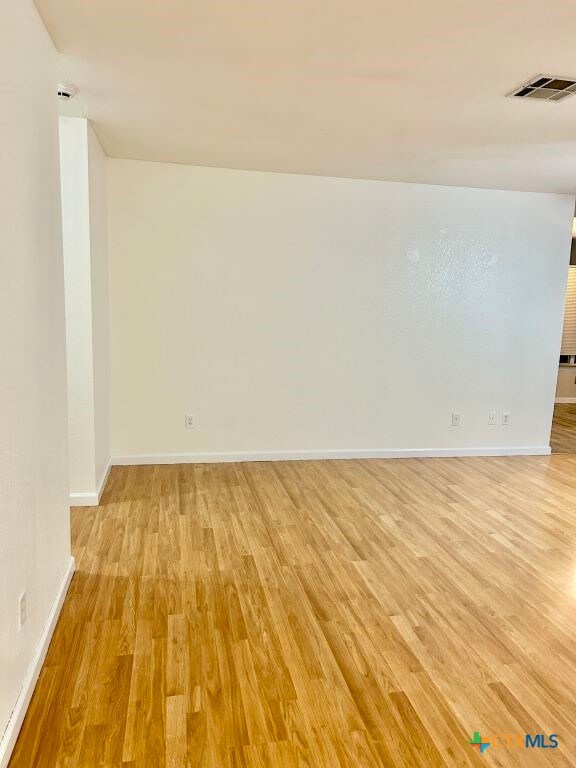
477	742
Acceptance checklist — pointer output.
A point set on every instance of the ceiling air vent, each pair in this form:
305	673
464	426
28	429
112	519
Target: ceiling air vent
547	88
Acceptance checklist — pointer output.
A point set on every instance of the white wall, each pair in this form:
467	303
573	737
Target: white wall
100	305
293	313
34	517
83	169
566	385
76	240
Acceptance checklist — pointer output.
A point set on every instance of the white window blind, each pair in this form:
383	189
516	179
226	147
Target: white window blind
569	331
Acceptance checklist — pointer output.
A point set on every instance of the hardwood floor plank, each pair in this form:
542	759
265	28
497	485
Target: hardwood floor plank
563	438
352	614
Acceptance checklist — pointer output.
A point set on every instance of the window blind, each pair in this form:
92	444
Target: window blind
569	331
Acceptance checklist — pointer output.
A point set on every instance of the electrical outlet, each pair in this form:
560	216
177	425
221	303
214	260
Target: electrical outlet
22	609
455	419
189	421
492	418
506	419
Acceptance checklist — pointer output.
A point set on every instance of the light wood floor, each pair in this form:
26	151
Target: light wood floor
321	614
563	439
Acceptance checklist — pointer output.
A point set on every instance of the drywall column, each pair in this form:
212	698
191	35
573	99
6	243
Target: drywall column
87	325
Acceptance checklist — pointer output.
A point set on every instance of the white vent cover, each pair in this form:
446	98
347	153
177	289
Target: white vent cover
546	88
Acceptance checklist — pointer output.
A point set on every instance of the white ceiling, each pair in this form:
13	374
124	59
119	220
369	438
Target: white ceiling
409	90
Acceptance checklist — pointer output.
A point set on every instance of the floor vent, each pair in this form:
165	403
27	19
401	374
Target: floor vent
546	87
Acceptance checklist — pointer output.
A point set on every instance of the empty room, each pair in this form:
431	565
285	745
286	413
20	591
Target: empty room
287	400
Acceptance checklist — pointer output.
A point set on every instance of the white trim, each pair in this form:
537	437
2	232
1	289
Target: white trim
19	712
83	499
565	400
369	453
91	499
104	479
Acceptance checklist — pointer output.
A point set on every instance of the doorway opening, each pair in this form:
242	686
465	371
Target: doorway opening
563	437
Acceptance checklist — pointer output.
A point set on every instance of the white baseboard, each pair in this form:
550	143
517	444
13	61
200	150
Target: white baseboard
84	500
402	453
18	713
565	400
91	499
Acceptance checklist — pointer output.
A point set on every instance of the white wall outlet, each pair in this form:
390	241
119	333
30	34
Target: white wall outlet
189	421
506	418
22	616
492	418
455	419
